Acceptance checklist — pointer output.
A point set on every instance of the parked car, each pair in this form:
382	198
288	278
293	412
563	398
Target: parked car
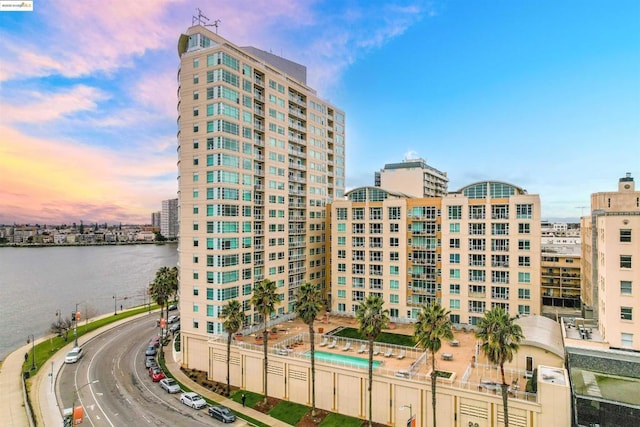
150	362
155	341
174	328
193	400
74	355
156	374
222	413
173	318
151	351
172	307
170	385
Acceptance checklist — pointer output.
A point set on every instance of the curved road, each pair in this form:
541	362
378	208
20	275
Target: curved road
114	386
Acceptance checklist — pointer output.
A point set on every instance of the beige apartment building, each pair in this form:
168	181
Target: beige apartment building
413	177
560	273
611	264
260	155
472	250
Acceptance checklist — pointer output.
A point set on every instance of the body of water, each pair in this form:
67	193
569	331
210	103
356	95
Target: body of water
37	282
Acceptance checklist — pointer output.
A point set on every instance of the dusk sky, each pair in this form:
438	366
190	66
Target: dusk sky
541	94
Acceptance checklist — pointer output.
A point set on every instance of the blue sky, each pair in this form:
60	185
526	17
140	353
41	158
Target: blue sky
544	95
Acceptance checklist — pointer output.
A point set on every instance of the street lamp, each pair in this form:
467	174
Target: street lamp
115	307
410	421
76	318
31	339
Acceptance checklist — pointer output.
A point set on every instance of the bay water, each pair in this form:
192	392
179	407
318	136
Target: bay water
38	282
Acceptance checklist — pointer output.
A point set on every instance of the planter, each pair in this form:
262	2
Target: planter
320	330
239	337
273	334
392	325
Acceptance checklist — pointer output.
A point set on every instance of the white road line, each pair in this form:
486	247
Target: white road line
146	419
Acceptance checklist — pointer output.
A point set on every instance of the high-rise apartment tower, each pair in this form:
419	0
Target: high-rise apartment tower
260	155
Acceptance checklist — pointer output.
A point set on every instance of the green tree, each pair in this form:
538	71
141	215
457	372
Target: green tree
164	288
500	337
233	317
372	319
309	303
264	301
432	326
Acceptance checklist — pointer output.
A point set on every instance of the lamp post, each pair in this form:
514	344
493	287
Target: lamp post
115	302
410	421
76	317
31	339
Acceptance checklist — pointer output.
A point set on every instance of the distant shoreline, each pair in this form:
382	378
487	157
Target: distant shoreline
46	245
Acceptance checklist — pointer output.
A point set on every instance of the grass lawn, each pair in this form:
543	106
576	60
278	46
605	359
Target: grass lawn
384	337
337	420
290	413
252	398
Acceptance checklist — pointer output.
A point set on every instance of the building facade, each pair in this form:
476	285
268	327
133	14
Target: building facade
560	272
169	218
611	264
471	250
156	219
414	178
260	156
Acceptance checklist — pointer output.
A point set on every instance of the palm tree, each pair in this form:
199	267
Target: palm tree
233	317
264	300
500	337
432	326
372	319
163	288
309	303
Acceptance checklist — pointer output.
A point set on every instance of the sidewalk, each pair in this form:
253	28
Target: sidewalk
12	410
172	361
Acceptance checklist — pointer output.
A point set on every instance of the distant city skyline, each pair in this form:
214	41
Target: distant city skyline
543	95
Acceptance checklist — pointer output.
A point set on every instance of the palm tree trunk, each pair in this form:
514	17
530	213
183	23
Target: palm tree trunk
370	381
265	337
228	363
313	370
505	387
433	385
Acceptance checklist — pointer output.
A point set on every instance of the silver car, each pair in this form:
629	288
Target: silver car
193	400
170	385
74	355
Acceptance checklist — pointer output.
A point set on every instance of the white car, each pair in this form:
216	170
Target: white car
174	318
74	355
193	399
170	385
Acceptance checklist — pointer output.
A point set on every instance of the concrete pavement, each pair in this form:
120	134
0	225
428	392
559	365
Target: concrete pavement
47	411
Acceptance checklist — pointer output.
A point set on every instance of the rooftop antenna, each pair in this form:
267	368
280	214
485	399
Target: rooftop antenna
215	24
582	209
200	19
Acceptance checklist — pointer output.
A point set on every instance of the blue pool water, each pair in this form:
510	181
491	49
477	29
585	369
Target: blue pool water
343	359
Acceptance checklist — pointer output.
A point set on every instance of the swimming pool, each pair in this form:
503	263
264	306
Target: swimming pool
343	359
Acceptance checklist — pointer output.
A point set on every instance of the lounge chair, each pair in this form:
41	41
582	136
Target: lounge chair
347	346
333	344
362	349
376	350
389	353
402	354
324	342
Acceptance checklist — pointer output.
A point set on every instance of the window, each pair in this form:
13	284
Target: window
358	213
524	228
625	261
524	245
524	211
625	287
394	284
524	309
625	236
454	273
342	254
455	212
626	339
375	213
476	212
454	304
395	212
524	277
394	256
524	261
454	258
454	243
394	242
394	227
375	228
524	293
454	289
394	270
454	227
394	298
341	214
626	313
342	240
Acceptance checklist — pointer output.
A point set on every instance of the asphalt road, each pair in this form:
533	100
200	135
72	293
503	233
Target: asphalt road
114	386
